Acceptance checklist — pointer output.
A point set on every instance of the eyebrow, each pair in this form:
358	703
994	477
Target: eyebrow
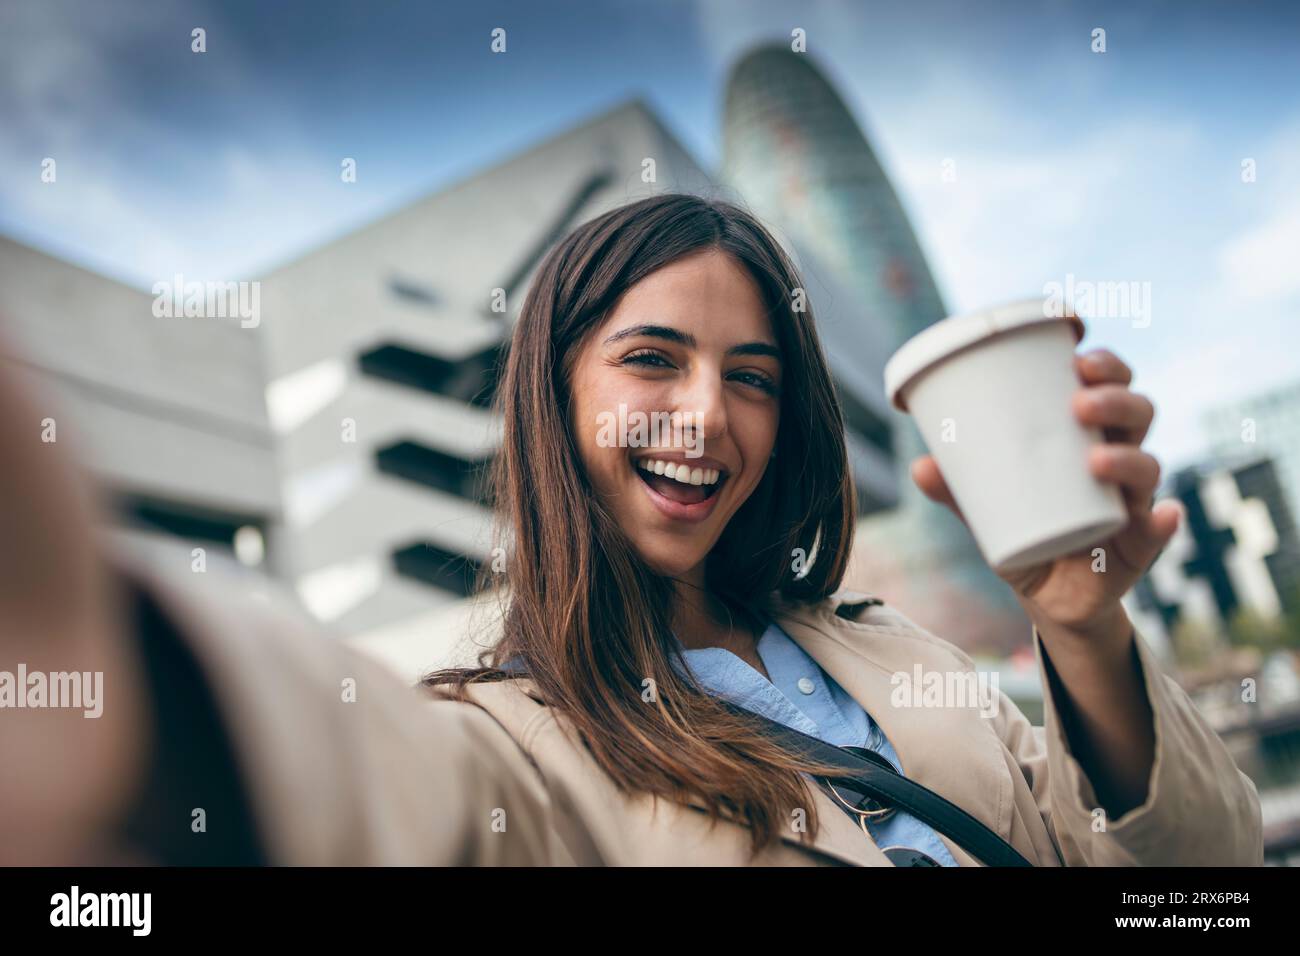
685	338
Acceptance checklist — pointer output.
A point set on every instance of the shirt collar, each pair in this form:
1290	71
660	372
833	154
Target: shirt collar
725	675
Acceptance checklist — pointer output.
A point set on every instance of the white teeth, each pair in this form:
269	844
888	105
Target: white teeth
680	472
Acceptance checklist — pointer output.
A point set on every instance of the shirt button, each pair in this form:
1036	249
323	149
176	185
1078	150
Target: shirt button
806	686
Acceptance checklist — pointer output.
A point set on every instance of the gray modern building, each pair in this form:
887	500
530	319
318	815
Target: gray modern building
168	412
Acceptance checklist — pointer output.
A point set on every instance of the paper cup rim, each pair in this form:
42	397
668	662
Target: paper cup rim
956	333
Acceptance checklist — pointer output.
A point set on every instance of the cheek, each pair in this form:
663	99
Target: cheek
584	433
602	463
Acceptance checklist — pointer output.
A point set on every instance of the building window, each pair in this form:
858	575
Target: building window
413	292
427	562
472	380
243	535
435	469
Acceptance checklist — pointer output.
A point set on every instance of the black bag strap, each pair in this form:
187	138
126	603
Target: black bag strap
886	785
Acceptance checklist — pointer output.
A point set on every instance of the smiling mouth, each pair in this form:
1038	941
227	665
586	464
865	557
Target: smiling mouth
673	488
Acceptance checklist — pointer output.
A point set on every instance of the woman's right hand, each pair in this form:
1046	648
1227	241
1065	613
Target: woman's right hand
66	777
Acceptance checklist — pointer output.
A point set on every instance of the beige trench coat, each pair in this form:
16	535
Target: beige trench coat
398	777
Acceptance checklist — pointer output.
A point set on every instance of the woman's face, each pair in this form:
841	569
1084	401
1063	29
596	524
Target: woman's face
690	340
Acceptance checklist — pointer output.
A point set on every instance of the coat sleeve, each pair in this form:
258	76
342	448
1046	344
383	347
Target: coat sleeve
1200	810
341	762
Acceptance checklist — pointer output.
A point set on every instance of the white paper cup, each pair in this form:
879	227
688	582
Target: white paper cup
991	393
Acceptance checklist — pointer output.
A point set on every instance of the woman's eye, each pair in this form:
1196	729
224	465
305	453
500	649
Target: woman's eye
650	359
758	380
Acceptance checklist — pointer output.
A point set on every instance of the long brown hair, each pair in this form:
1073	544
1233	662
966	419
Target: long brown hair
583	615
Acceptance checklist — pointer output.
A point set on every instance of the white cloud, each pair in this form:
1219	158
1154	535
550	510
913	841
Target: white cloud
1263	263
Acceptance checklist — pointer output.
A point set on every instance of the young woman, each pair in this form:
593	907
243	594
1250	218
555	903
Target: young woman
626	558
651	577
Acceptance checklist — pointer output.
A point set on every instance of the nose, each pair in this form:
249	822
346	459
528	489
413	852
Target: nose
701	401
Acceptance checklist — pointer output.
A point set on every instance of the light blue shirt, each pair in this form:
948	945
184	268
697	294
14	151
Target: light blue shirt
803	696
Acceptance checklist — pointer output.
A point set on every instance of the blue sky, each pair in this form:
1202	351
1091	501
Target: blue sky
1111	167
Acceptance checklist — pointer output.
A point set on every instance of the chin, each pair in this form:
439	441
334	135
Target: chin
668	558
